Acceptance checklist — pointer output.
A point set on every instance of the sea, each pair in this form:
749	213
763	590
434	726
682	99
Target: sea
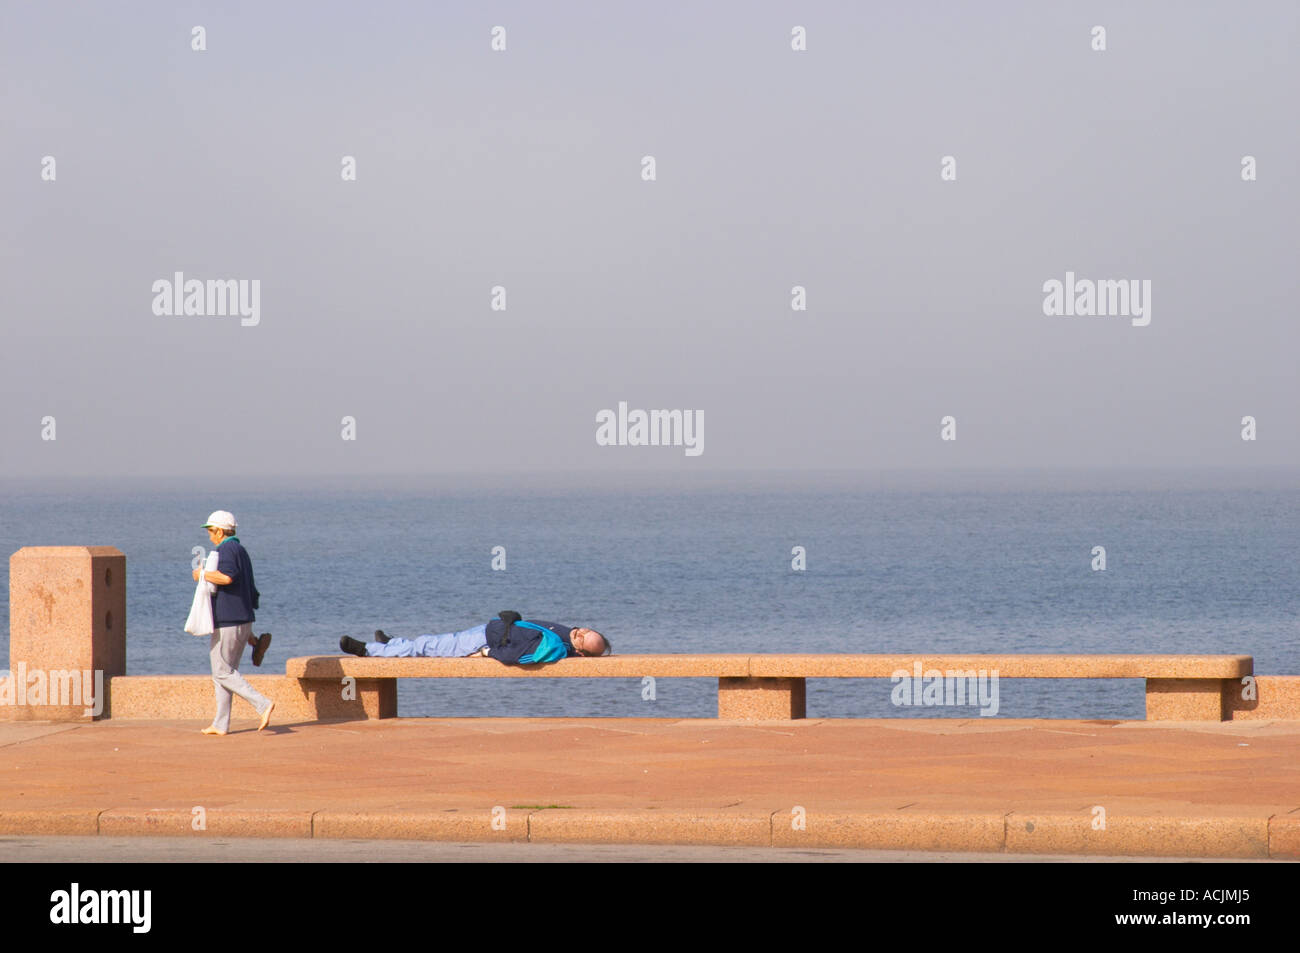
979	562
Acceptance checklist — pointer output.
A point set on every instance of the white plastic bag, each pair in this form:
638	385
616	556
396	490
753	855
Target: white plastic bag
200	619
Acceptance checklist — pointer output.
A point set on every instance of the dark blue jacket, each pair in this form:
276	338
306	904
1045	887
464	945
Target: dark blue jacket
509	646
233	604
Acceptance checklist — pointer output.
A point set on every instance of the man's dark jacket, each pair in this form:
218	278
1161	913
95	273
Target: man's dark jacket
508	643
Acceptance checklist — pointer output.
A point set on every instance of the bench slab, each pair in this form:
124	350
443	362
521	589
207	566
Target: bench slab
1007	666
773	687
781	666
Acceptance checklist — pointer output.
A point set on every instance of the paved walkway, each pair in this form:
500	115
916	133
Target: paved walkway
979	785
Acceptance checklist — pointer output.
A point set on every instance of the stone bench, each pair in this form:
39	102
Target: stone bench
772	687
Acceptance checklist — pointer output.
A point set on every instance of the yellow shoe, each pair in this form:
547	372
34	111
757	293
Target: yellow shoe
213	730
266	716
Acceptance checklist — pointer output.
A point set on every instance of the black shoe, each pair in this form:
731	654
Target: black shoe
380	637
259	648
352	646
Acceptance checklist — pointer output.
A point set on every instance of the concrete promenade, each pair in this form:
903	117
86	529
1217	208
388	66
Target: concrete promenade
1176	789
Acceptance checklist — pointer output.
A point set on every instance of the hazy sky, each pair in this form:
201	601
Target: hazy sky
523	169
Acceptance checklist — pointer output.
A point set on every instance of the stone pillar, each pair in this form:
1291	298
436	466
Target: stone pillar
67	632
761	699
323	698
1190	699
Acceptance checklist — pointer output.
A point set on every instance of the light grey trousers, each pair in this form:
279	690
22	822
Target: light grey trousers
226	648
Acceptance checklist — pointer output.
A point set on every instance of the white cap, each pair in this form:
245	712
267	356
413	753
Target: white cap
221	520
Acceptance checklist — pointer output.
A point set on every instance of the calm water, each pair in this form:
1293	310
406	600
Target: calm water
708	569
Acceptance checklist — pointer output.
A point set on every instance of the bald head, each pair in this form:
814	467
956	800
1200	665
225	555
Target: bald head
589	642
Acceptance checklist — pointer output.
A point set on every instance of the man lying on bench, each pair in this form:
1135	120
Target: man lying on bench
507	639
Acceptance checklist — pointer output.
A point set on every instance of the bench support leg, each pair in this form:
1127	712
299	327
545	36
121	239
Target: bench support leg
761	699
367	698
1190	699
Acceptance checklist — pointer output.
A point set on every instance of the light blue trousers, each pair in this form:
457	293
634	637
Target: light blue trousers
448	645
224	649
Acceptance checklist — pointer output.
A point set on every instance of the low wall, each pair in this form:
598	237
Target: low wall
191	696
1277	698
